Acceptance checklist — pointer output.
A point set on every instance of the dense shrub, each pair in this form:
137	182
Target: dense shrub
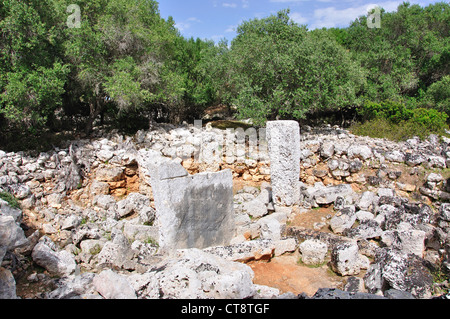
278	69
393	111
439	95
398	123
430	119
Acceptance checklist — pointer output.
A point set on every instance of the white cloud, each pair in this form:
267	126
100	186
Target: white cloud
184	25
284	1
298	18
231	28
244	3
331	17
194	19
389	6
216	38
229	5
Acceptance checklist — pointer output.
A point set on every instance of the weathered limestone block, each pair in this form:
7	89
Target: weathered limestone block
57	262
113	286
7	285
259	249
346	260
193	211
195	274
313	252
284	151
393	269
11	235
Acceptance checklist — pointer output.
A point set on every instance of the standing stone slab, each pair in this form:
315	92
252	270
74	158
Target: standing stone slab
193	211
284	151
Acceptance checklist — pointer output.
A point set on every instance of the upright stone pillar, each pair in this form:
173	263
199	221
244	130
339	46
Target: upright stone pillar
284	152
193	211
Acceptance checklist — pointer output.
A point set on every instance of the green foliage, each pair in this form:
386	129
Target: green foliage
123	85
276	68
397	123
408	53
32	74
190	58
430	120
33	96
119	56
439	95
126	64
394	112
10	199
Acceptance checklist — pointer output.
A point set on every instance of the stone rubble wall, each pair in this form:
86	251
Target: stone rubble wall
108	220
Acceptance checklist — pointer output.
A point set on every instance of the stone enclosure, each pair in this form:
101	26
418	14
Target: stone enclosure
147	217
197	211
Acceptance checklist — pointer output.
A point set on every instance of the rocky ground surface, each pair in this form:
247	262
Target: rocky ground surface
373	222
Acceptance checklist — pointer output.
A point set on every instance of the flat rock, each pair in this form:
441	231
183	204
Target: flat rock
246	251
195	274
328	195
113	286
110	174
60	263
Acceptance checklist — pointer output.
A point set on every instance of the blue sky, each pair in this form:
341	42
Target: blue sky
217	19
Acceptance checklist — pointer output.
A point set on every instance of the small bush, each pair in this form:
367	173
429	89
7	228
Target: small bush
393	120
378	128
10	199
393	111
439	94
430	119
382	128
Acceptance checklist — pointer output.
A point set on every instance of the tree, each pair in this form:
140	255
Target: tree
279	69
438	95
189	57
119	56
215	68
32	74
406	55
124	61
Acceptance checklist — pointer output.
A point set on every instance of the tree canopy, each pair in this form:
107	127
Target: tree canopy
279	69
123	61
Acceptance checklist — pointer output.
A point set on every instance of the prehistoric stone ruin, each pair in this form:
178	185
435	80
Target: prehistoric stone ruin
197	211
284	152
146	219
193	211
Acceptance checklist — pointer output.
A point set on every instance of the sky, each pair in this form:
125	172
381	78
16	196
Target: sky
218	19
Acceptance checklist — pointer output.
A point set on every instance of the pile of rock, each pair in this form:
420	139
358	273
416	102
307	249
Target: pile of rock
210	150
11	238
101	223
332	156
382	226
91	207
